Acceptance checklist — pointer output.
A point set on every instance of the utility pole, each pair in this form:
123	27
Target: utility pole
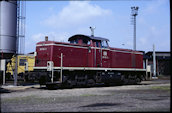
15	73
61	69
154	61
134	13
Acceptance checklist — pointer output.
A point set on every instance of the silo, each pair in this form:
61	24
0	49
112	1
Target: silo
8	26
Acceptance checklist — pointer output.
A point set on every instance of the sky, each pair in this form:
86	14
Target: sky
60	20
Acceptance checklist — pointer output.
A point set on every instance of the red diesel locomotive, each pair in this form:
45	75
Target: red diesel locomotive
86	60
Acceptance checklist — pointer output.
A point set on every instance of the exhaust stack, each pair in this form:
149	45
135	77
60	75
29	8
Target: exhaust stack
46	38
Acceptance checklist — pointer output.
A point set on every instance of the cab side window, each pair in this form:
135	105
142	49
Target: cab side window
97	44
104	44
87	42
84	41
74	41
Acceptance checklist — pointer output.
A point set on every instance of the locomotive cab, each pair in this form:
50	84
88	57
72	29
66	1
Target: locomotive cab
89	40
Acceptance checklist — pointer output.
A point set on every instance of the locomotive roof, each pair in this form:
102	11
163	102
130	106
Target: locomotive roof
86	36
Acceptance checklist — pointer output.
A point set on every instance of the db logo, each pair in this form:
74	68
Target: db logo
105	55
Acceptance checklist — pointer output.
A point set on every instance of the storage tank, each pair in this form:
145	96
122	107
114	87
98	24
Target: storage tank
8	26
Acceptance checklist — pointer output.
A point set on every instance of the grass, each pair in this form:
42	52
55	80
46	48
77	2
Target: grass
86	95
161	88
17	99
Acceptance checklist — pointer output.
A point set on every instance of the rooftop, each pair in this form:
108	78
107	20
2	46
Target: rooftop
87	37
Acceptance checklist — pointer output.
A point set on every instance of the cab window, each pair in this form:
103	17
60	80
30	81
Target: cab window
104	44
74	41
85	41
97	44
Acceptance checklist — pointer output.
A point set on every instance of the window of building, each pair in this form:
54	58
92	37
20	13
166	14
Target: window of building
22	62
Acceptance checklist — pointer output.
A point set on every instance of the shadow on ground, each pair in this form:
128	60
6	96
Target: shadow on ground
2	90
102	104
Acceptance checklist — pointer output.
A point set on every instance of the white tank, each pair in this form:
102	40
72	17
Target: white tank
8	26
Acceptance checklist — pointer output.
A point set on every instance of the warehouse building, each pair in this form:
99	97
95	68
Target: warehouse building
162	62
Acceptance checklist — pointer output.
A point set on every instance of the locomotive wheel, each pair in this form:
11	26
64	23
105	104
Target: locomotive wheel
26	79
91	82
69	84
124	80
137	81
42	80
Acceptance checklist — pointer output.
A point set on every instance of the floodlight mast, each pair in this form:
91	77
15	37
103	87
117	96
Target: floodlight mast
134	13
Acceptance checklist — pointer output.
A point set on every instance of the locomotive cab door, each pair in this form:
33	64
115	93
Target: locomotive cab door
105	54
97	53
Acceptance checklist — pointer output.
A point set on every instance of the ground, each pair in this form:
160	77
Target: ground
148	96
